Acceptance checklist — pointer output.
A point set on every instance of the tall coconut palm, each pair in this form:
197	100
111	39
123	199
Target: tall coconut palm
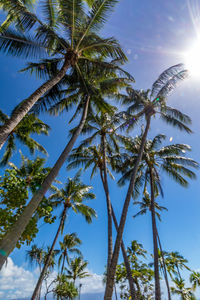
29	125
76	269
172	161
89	94
175	262
181	290
72	196
147	104
97	158
67	33
68	246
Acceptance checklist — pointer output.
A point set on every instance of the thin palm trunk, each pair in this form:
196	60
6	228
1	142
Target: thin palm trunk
8	243
63	264
126	262
155	243
49	256
112	269
179	274
108	202
20	112
164	267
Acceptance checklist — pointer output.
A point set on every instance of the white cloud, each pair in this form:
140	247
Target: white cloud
92	284
17	282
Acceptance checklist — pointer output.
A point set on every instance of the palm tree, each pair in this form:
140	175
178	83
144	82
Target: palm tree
147	107
72	196
67	35
29	125
36	255
89	94
175	262
195	279
103	127
64	289
68	245
169	159
180	289
76	269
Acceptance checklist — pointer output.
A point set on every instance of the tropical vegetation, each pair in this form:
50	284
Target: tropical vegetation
84	85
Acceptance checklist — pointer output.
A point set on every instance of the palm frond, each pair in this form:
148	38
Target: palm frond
20	45
167	80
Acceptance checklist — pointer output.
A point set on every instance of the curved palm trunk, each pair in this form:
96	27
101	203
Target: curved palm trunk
19	113
8	243
48	259
126	262
155	243
112	269
164	267
108	202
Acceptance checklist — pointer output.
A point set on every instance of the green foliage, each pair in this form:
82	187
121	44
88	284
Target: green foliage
16	187
142	274
22	133
64	289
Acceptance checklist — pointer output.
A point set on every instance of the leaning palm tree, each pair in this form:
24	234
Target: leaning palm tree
76	269
67	35
71	197
29	125
68	246
90	93
146	104
36	255
171	160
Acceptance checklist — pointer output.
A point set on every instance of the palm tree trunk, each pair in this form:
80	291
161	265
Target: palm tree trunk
126	262
155	243
25	106
63	264
112	269
46	264
164	267
8	243
108	202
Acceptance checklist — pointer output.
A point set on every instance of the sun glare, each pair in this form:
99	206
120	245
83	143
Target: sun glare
192	59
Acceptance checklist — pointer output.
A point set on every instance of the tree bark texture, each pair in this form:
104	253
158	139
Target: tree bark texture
9	241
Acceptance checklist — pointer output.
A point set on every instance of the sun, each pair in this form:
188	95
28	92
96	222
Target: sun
192	59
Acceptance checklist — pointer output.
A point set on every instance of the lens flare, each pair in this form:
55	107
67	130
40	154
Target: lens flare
192	59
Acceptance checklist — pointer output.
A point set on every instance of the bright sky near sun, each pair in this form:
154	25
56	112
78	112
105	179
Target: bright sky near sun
155	35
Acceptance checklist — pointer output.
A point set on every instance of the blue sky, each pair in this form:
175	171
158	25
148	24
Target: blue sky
153	35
